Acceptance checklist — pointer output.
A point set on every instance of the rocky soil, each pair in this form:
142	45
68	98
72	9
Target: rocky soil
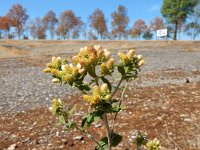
164	102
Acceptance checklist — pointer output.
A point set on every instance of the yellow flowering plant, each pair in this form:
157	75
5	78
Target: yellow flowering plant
98	64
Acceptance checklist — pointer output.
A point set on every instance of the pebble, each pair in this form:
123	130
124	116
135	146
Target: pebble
79	138
12	147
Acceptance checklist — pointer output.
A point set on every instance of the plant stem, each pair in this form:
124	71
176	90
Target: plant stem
90	136
120	102
105	120
122	78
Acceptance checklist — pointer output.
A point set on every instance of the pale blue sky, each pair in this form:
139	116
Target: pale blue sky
144	9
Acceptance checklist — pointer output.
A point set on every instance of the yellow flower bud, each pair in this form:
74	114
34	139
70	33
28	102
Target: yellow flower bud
82	50
110	63
100	54
141	62
86	98
104	70
95	100
54	71
63	67
139	57
68	77
75	71
71	65
108	97
97	47
59	101
50	65
47	70
75	59
53	59
131	53
78	66
85	48
96	90
107	53
81	71
123	57
104	88
55	80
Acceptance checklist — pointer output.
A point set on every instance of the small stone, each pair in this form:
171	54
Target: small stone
97	125
64	141
80	138
57	134
187	80
187	120
12	147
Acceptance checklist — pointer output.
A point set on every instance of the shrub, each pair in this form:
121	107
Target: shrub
98	92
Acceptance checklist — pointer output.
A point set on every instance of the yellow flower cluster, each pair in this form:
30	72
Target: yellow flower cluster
62	71
153	144
131	56
107	68
91	55
98	95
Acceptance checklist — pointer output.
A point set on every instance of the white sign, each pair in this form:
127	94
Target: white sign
162	32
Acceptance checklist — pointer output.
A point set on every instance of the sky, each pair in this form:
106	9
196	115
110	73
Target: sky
144	9
137	9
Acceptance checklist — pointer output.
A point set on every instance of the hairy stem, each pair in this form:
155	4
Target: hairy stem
120	102
122	78
105	120
90	136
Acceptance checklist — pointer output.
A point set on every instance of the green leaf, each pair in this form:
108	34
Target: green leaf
84	87
72	110
84	123
90	119
91	71
115	108
72	125
62	119
97	119
103	143
121	69
108	83
116	139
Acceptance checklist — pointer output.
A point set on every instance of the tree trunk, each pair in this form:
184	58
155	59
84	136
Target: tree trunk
176	29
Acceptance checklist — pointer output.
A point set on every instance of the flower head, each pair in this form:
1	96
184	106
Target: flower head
153	144
55	80
141	62
131	53
104	88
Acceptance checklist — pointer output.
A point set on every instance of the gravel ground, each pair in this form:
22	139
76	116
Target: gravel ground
24	86
162	104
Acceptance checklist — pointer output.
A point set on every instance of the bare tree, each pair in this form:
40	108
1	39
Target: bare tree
5	25
50	21
18	17
68	23
120	22
98	22
138	28
38	29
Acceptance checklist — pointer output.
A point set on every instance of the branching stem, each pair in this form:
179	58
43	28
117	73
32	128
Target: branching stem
120	102
90	136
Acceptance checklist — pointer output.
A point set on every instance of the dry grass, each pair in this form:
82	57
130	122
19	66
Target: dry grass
14	48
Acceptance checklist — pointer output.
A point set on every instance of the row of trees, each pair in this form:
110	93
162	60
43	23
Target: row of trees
70	26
